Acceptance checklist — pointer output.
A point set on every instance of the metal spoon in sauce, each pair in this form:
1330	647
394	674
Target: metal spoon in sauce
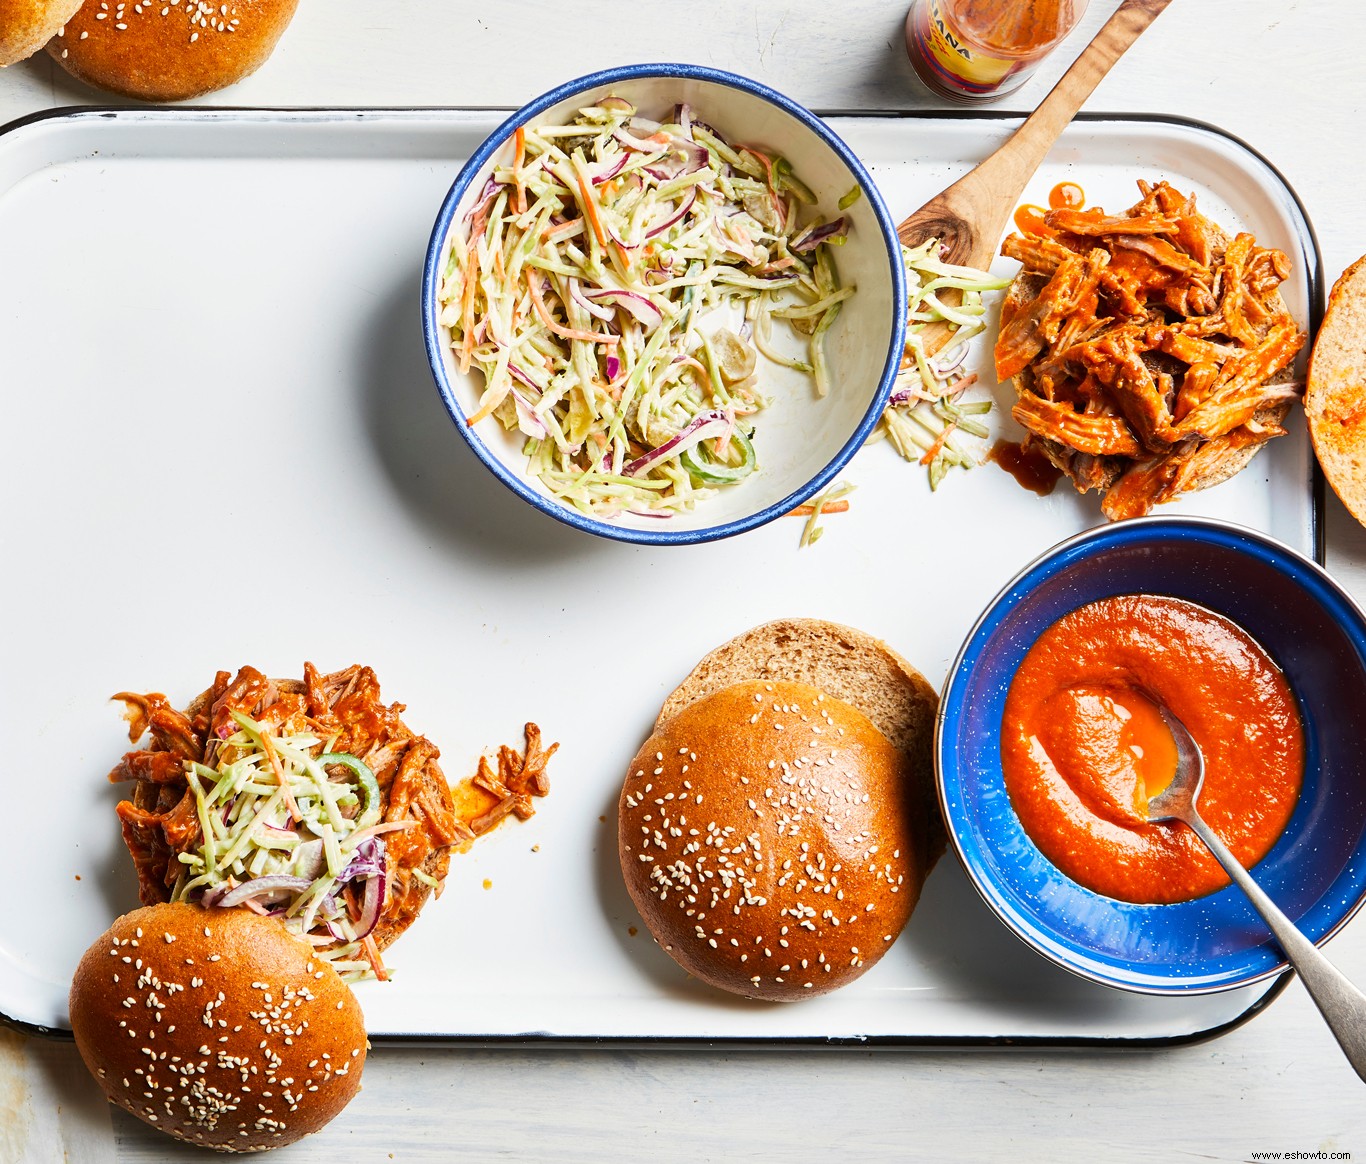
1342	1005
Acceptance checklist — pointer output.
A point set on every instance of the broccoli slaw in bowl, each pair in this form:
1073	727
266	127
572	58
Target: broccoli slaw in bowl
664	304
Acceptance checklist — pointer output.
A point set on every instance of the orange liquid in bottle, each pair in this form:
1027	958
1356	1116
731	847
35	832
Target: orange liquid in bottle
979	50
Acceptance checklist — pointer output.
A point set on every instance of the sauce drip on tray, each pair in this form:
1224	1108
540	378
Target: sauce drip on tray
1027	464
1029	218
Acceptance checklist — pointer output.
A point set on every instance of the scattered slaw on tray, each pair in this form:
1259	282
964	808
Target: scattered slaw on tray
926	408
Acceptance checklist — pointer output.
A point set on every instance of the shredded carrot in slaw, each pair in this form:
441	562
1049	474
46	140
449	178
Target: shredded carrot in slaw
590	337
937	445
467	311
275	766
518	160
806	509
590	207
371	952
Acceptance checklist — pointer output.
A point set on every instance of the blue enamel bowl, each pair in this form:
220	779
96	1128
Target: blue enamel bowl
1316	871
801	442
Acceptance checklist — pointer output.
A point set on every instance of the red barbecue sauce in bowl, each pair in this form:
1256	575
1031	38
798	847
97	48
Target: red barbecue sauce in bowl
1083	746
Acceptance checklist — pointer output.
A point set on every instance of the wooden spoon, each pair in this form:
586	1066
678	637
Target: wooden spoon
971	215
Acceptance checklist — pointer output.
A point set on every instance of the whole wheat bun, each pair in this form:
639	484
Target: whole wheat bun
217	1027
768	835
169	50
850	665
27	25
1335	399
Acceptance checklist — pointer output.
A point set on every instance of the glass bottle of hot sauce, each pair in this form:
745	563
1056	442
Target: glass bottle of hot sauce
979	50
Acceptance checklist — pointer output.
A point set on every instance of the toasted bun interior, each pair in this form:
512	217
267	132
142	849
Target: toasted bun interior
1335	400
218	1028
169	50
768	835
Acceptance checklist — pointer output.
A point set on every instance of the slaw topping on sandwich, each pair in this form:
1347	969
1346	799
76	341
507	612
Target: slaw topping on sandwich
311	802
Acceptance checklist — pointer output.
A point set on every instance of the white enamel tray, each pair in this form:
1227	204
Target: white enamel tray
223	445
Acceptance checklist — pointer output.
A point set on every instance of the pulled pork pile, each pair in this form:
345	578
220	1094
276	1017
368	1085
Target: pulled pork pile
160	822
1145	348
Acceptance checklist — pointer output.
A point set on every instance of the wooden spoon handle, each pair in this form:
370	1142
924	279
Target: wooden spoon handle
1022	155
972	213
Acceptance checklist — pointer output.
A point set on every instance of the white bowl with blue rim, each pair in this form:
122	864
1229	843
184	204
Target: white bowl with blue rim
1316	871
801	441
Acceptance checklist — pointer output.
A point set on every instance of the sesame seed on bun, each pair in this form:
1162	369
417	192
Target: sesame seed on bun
848	664
771	838
169	50
219	1028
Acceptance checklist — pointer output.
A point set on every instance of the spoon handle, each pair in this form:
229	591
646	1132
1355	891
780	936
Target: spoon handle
1342	1005
1025	151
970	216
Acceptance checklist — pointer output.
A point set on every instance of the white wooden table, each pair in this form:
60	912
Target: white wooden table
1284	76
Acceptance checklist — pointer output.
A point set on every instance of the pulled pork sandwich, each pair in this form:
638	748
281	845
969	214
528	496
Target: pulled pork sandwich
217	1027
309	801
1149	352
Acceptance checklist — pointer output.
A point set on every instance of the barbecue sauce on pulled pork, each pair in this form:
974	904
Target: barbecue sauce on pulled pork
159	820
1146	356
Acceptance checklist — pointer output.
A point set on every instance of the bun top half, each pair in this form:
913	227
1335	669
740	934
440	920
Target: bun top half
848	664
770	837
169	50
219	1028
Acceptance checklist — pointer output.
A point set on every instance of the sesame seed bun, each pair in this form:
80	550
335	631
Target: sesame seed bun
770	837
848	664
1335	400
169	50
27	25
220	1029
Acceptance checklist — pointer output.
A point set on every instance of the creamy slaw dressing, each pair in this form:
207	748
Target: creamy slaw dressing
614	283
281	835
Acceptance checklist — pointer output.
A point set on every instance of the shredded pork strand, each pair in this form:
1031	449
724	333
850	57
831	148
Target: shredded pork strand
1149	361
520	776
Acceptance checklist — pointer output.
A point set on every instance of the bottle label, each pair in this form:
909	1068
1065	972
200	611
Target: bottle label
956	65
